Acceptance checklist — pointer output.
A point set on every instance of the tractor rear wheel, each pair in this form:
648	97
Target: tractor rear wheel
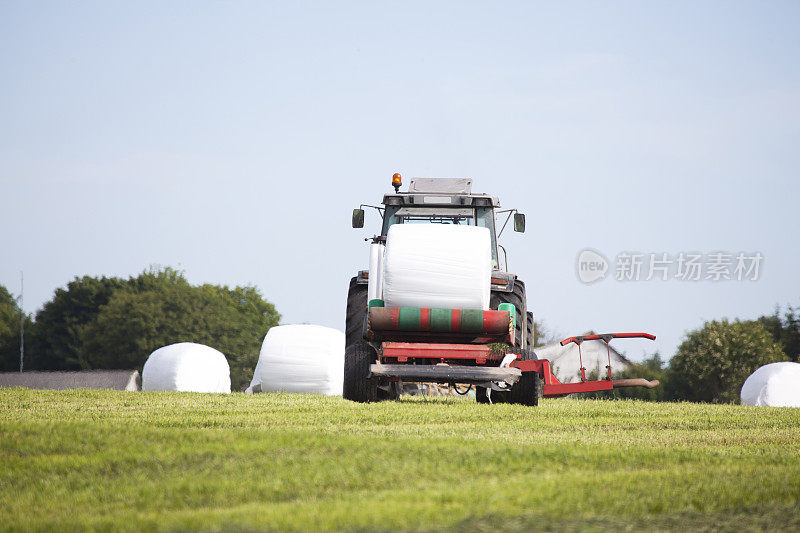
355	319
529	333
527	390
516	297
480	395
356	313
358	385
523	334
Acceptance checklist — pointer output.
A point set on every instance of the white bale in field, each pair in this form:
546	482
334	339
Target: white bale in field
300	358
187	367
437	265
773	385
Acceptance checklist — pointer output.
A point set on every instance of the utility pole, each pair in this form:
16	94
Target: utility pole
21	321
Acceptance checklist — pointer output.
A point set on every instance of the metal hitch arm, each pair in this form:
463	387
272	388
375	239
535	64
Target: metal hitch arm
607	337
635	382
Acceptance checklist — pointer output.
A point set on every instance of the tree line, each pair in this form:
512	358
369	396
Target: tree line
112	323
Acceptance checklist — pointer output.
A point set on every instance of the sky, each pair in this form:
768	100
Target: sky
232	140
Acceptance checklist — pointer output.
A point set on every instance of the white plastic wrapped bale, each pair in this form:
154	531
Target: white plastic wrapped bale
773	385
187	367
300	358
437	266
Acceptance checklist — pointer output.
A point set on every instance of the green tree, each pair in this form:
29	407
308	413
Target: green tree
790	337
10	317
542	334
651	368
785	330
160	307
54	342
713	362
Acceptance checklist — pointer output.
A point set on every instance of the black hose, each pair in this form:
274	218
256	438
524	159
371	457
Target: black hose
455	388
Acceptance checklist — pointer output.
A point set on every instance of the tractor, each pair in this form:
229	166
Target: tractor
490	350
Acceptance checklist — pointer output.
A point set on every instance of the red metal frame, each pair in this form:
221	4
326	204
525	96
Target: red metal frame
552	386
402	351
480	353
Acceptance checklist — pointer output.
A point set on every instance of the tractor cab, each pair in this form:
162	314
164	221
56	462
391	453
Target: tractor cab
442	201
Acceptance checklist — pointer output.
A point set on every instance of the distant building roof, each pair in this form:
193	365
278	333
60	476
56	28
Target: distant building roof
565	362
85	379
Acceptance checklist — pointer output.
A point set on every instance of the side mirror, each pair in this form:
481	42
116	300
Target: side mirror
519	222
358	218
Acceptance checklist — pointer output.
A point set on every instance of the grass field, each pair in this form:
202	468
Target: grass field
165	461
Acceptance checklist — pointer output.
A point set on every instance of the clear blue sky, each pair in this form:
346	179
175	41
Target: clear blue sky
232	140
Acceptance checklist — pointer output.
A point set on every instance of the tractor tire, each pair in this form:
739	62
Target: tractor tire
528	389
355	320
516	297
358	385
390	391
529	332
356	313
480	395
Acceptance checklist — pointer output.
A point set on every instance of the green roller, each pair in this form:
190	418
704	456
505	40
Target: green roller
471	321
446	321
409	319
440	320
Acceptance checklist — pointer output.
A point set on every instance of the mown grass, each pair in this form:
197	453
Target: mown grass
174	461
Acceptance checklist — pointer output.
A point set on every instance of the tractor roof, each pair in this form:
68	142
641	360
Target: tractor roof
442	192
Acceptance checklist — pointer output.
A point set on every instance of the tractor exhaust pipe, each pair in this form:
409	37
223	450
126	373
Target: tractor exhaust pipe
635	382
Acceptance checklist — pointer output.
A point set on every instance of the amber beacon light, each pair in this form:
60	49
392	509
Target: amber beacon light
397	181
